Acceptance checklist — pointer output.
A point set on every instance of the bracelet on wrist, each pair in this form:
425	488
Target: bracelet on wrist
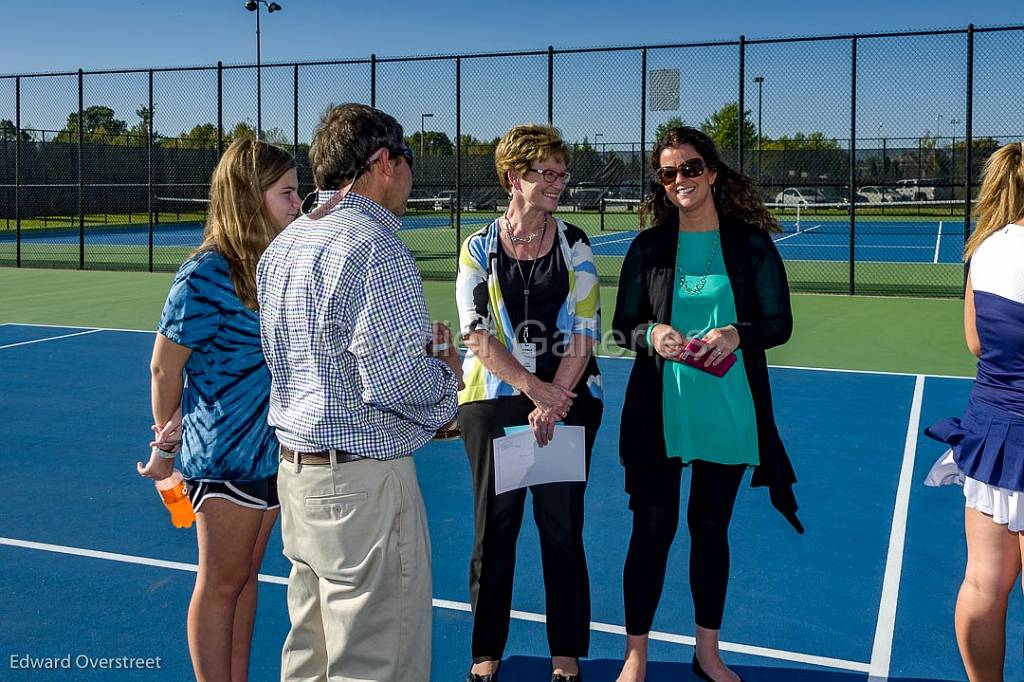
163	454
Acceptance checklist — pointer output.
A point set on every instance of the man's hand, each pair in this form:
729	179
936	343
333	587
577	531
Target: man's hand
442	348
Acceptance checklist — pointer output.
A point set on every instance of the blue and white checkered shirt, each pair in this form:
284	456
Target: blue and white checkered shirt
344	328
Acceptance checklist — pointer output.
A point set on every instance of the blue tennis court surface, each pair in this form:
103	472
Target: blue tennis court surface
182	234
881	241
91	566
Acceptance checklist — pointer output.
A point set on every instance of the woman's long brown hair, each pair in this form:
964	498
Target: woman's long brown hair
736	196
238	225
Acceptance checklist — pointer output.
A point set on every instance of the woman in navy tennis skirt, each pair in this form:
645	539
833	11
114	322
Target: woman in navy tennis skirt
987	444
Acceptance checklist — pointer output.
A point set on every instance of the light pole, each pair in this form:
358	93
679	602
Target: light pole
952	151
885	164
760	83
423	129
254	6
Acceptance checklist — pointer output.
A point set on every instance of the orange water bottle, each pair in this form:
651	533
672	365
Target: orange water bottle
175	497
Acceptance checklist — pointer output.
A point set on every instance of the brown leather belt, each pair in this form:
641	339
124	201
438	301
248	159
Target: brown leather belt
318	458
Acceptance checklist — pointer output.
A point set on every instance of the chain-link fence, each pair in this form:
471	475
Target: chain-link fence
867	147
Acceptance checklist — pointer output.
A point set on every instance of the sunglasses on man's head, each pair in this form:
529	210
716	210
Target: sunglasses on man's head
404	152
690	169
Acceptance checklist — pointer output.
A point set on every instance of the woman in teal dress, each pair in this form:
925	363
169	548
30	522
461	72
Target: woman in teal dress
706	269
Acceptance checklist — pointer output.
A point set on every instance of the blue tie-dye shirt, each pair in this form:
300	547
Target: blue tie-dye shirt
225	434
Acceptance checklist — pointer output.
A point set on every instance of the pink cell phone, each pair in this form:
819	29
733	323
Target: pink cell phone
693	347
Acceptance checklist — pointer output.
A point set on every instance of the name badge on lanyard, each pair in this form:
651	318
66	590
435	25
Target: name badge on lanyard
526	354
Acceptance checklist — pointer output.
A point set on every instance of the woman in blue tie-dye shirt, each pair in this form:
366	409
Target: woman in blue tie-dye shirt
208	371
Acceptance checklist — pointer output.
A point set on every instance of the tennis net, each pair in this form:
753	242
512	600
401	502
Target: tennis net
891	217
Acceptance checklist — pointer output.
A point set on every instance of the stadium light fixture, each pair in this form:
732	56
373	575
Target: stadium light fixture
254	6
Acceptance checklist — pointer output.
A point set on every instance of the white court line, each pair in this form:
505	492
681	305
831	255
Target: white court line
938	240
50	338
778	654
859	246
612	241
881	651
603	357
76	326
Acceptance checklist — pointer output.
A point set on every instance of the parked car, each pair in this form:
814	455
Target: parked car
872	194
443	201
801	196
916	189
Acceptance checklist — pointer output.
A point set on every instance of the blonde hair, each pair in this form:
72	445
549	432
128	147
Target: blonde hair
238	225
524	145
1001	198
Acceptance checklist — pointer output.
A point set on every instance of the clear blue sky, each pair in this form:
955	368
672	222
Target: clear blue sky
56	35
48	35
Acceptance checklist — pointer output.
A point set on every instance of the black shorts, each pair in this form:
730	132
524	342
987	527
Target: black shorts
260	494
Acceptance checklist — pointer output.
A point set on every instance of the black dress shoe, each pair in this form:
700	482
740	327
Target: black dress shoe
699	671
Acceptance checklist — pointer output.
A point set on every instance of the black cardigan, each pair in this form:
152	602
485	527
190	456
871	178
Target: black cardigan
646	288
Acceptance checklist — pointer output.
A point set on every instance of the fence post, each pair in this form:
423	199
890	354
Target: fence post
81	143
149	158
853	164
220	107
741	114
295	112
969	141
373	80
551	85
643	127
458	161
17	170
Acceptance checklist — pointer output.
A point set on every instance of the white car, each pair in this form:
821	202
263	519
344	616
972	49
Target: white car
872	194
915	189
800	196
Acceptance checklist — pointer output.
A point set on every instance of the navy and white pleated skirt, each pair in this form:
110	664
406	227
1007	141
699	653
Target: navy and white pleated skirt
987	446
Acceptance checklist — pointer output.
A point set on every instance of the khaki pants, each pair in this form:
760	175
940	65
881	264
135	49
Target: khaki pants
359	592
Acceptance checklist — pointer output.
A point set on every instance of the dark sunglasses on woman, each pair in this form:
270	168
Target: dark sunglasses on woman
689	169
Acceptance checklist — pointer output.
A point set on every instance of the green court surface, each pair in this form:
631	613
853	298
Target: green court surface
918	336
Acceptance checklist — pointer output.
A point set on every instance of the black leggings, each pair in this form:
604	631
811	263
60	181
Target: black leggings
713	489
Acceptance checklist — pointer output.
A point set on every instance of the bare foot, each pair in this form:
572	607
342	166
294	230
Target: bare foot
716	669
485	668
634	668
565	666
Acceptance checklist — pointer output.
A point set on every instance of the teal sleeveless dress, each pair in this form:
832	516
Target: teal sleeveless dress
706	417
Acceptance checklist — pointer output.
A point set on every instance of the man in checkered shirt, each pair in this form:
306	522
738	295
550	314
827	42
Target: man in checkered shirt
357	388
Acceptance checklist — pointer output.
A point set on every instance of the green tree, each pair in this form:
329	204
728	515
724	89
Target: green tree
8	131
242	130
98	125
723	127
815	140
277	136
586	161
471	146
202	136
674	122
138	134
435	143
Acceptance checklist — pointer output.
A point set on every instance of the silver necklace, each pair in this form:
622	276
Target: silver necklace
527	239
699	286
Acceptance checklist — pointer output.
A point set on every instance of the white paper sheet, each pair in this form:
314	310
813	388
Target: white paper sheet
519	462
